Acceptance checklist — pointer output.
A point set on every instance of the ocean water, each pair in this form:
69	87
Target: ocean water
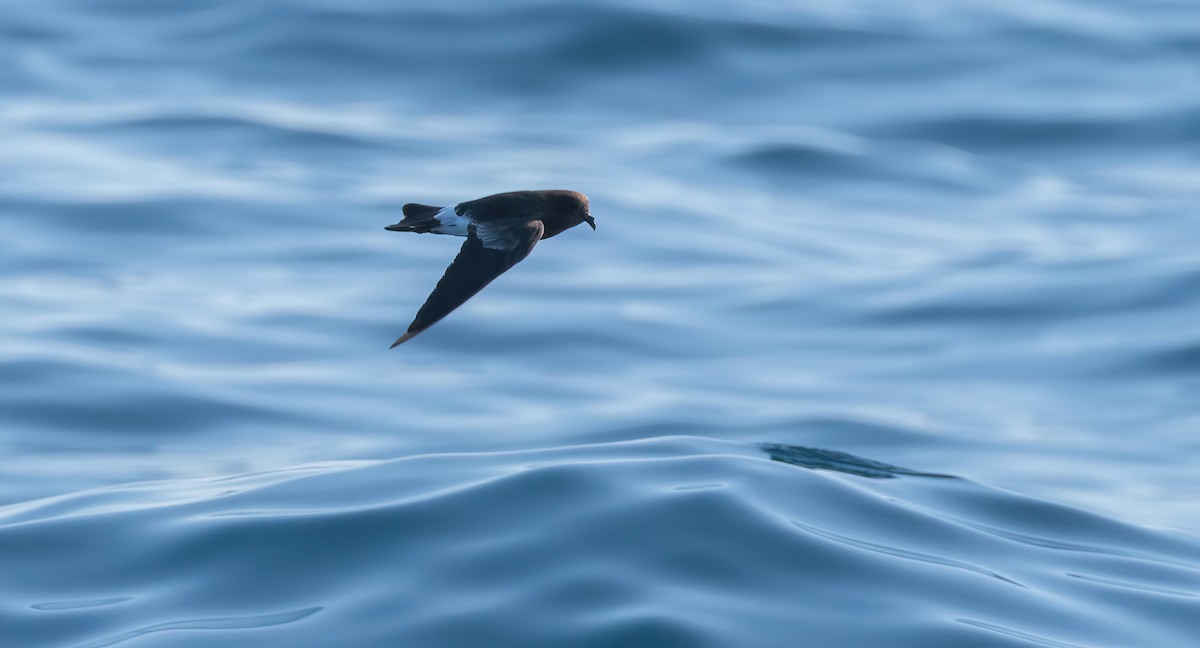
888	334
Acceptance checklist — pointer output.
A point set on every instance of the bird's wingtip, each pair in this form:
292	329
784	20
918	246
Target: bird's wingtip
402	339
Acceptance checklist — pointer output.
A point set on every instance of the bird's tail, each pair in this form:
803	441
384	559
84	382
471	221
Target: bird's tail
417	218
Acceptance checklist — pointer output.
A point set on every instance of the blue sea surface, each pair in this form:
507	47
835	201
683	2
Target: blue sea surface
889	333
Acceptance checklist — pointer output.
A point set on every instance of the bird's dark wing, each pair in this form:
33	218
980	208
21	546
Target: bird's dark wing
491	248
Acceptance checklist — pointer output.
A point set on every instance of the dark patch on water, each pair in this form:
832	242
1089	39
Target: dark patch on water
821	459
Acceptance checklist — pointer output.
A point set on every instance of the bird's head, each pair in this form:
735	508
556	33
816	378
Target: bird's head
568	209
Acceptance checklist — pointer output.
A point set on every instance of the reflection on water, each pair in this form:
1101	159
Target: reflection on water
819	459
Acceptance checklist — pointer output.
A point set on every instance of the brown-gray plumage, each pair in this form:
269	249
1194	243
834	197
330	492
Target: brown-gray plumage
500	229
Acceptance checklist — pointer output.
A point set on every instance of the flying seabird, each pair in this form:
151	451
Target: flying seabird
501	230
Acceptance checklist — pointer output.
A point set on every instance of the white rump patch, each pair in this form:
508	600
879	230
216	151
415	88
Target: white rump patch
451	223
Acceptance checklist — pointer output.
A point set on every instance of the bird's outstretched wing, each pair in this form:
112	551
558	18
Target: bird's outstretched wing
491	248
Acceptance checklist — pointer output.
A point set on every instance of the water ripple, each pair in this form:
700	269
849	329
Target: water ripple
216	623
667	541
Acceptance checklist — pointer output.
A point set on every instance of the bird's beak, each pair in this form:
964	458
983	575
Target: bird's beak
394	228
590	221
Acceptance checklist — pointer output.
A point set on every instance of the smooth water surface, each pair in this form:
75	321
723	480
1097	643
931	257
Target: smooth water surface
833	238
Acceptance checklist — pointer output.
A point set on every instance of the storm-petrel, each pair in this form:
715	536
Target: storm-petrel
500	229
